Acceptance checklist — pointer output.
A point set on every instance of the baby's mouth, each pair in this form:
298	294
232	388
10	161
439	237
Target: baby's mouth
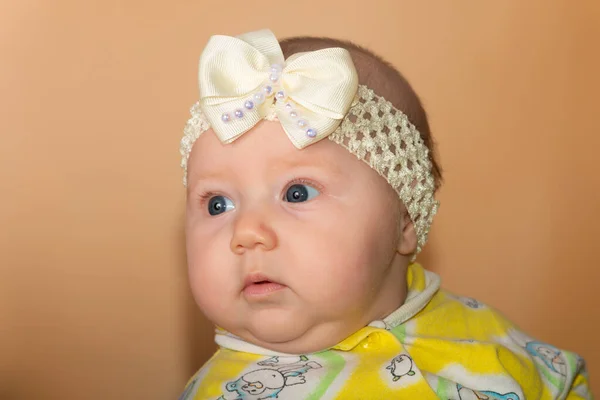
257	286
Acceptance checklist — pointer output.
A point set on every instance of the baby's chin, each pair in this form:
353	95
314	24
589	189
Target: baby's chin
286	334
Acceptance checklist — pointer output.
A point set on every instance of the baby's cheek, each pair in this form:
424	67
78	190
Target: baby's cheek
349	276
341	278
209	280
212	293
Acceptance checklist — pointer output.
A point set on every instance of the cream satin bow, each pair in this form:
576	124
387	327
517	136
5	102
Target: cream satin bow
246	78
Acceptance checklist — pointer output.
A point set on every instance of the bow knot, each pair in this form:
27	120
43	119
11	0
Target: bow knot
245	79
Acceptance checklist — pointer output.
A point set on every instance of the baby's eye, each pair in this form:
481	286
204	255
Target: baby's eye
219	204
298	193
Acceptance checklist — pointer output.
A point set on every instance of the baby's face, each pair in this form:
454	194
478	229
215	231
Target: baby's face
291	249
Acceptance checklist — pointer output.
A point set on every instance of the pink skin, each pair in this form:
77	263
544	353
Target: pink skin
293	277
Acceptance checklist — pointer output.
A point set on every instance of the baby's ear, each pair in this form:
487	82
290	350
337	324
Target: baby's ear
407	245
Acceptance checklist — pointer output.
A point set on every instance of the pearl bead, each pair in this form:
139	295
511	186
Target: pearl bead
288	106
239	114
259	98
311	132
293	114
276	69
268	90
302	123
225	117
249	105
274	77
280	95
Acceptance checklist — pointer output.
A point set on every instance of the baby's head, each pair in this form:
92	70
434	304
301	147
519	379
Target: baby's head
294	242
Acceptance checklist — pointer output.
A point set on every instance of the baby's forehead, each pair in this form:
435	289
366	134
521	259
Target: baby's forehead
266	147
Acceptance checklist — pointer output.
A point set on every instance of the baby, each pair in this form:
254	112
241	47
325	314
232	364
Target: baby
310	179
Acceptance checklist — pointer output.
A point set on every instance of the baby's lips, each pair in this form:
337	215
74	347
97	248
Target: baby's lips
257	277
259	285
262	289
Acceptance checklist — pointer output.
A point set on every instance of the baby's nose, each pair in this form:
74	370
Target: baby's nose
251	230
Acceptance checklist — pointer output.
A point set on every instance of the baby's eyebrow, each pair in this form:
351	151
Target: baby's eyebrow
211	176
320	163
284	163
198	177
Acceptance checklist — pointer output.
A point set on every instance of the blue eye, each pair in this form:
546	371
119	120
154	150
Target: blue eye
219	204
299	193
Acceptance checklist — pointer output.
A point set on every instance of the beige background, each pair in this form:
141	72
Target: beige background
93	97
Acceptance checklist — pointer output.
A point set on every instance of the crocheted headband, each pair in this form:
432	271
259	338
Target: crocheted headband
315	95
